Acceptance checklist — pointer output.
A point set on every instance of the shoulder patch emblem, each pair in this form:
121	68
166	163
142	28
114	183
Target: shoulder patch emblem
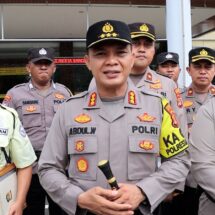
83	118
170	111
7	98
82	165
146	118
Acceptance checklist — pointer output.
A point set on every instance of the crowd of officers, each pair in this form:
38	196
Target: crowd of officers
136	118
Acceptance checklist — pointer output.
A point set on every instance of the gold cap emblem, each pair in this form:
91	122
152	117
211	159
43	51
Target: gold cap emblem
203	53
144	28
107	28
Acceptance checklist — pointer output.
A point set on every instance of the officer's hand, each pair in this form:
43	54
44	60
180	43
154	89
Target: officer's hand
97	200
130	194
16	209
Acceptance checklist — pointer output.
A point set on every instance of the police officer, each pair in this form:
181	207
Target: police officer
14	144
116	122
202	70
143	44
203	154
36	103
168	65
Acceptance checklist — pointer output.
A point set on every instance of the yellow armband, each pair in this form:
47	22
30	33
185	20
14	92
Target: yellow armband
172	141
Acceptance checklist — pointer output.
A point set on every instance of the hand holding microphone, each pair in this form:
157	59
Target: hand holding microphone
104	166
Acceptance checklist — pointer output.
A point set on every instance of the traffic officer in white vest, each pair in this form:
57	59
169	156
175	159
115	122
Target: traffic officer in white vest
36	103
114	121
16	148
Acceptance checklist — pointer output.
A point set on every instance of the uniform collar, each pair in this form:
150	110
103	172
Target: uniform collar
31	86
191	93
131	100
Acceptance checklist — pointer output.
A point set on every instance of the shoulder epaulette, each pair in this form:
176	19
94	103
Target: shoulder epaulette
19	85
151	93
66	88
166	76
79	95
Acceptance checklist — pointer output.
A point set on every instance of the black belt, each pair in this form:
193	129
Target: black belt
208	196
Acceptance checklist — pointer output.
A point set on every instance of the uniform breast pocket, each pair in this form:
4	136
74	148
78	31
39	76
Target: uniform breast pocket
31	116
142	157
83	157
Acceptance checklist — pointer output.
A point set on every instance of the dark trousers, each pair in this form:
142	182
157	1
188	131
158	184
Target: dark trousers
186	203
36	200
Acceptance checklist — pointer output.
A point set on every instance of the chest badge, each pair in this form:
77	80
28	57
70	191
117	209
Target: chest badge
156	86
188	103
146	145
82	165
79	146
83	118
59	96
31	108
146	118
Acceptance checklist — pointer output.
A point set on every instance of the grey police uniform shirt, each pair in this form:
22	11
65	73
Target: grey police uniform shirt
82	134
192	102
166	87
35	110
202	148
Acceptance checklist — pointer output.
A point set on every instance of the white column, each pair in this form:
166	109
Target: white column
179	37
2	22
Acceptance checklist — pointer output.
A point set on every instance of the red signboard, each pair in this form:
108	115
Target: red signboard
69	61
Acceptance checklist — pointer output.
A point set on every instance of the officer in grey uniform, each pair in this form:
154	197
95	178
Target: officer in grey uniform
15	147
203	155
116	122
168	65
201	69
36	103
143	44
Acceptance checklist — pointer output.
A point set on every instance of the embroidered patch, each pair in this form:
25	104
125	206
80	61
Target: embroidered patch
83	118
93	99
59	96
82	165
31	108
79	145
146	145
146	118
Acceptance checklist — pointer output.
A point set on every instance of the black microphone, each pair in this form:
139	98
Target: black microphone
104	166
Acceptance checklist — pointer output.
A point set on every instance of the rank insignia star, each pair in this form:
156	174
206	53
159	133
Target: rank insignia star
131	98
92	101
